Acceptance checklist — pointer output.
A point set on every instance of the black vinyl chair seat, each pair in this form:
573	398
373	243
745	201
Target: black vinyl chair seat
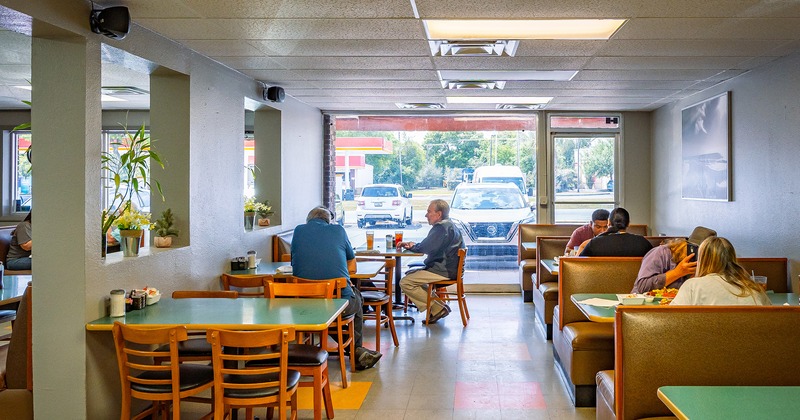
292	379
192	376
191	347
7	315
305	355
374	296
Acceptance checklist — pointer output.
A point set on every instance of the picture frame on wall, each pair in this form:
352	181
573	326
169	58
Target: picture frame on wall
705	149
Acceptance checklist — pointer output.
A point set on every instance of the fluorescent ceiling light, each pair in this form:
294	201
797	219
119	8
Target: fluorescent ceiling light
499	99
548	75
522	29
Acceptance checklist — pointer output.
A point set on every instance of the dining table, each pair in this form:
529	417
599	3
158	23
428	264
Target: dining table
732	402
308	315
379	250
13	288
605	312
364	270
550	265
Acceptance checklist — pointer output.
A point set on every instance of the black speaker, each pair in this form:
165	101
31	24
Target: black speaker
274	94
113	22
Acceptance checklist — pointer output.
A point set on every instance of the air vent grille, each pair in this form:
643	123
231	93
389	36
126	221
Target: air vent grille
473	84
498	48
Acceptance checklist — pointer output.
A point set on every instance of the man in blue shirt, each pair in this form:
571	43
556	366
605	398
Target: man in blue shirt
321	250
441	247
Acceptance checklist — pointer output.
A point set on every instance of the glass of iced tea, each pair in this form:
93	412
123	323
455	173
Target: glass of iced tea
761	281
398	237
370	239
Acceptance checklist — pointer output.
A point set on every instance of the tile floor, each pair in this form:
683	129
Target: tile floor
499	367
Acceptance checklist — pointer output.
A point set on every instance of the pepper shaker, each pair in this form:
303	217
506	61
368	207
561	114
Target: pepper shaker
389	242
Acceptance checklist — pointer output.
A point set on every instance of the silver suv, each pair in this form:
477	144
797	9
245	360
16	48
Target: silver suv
384	203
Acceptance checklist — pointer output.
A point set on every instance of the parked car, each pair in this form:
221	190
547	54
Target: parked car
488	215
338	210
384	203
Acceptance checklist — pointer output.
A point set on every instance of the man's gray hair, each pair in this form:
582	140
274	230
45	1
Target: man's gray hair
321	213
442	206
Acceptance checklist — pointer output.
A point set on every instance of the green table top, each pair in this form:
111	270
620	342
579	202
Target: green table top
606	314
550	265
13	288
732	402
234	314
363	269
529	246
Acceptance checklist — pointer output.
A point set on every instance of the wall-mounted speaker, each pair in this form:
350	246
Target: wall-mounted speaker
113	22
274	94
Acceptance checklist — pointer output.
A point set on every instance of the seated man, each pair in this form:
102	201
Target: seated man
596	226
441	245
321	250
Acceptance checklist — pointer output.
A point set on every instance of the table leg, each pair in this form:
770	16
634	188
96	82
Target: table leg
398	294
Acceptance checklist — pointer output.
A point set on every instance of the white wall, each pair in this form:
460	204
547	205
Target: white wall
761	221
76	378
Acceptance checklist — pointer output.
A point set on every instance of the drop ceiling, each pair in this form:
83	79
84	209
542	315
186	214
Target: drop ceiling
348	55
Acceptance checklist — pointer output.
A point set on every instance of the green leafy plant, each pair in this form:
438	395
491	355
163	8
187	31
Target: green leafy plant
164	225
127	170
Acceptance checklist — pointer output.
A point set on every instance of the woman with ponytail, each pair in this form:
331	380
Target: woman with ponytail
616	242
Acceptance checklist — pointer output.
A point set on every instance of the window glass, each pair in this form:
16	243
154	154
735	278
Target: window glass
251	170
21	142
584	168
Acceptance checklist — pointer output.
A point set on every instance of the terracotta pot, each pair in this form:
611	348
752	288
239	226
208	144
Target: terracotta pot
162	241
263	222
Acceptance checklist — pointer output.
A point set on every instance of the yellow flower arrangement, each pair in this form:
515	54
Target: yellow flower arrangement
132	219
250	205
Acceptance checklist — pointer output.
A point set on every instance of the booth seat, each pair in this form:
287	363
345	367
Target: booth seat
708	345
581	348
528	266
282	245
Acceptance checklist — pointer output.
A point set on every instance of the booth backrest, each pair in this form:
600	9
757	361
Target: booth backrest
775	269
710	345
548	247
528	232
282	244
592	275
638	229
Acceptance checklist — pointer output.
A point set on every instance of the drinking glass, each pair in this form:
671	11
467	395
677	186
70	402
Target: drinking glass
370	239
761	281
398	237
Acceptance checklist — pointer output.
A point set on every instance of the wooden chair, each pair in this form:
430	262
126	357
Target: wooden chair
238	382
286	257
377	293
152	381
246	282
308	359
436	294
341	328
196	348
17	400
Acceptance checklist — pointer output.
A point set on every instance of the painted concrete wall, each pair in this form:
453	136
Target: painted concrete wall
77	378
635	166
761	220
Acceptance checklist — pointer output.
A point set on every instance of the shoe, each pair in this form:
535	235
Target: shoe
439	315
367	359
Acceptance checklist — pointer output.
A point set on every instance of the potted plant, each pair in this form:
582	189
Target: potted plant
249	212
164	230
264	211
131	224
126	170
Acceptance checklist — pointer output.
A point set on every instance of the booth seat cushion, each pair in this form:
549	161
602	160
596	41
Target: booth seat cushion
545	298
590	336
528	265
605	395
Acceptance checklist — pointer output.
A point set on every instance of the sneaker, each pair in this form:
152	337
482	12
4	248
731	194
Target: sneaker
439	315
367	359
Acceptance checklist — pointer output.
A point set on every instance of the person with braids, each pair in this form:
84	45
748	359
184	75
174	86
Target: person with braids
616	242
720	279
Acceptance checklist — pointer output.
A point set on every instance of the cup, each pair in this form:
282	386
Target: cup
370	239
761	281
398	237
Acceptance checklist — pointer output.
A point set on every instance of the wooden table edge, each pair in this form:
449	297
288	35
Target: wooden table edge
675	410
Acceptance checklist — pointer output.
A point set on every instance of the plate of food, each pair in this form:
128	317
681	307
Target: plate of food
665	295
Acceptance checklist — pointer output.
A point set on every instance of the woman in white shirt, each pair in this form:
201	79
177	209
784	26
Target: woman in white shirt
720	280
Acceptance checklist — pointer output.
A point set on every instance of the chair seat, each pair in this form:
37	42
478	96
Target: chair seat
292	379
7	315
304	355
191	347
192	376
374	296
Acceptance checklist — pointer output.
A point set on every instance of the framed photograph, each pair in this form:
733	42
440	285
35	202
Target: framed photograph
705	147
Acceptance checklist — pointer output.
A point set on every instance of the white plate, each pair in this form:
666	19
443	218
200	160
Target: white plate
284	269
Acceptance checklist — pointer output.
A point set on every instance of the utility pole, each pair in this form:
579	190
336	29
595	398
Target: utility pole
400	154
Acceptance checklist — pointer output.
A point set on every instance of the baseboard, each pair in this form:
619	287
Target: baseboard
491	288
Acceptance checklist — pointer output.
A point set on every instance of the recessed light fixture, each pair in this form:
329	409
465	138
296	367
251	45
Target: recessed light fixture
107	98
473	84
494	48
522	29
419	105
522	75
499	99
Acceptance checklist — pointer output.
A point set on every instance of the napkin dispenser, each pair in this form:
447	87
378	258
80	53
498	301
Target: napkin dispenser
239	263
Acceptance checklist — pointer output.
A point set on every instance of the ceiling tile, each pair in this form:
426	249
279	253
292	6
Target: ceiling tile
342	47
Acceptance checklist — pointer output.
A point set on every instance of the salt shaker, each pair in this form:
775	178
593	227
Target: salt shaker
251	259
117	303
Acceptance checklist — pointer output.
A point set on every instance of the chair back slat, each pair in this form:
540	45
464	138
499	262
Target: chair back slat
340	283
246	282
314	289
